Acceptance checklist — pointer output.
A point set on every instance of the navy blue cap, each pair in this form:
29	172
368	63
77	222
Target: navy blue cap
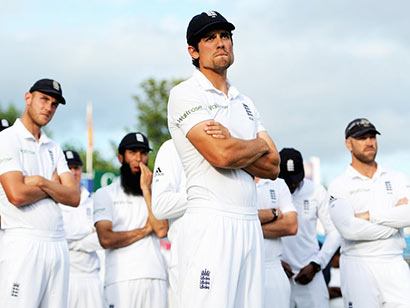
73	158
291	166
134	141
4	123
205	22
359	127
49	87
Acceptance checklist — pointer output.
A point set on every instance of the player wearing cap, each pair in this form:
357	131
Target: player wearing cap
85	288
303	259
34	268
135	273
274	197
221	264
370	211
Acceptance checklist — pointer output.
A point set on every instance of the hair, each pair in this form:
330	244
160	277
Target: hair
194	43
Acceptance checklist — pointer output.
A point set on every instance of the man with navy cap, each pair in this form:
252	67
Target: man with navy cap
303	259
85	288
370	208
34	177
221	263
135	271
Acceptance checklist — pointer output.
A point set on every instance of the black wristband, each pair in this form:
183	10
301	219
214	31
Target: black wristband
275	215
316	267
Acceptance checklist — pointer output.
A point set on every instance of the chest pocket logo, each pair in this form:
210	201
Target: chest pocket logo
389	188
248	111
272	195
306	206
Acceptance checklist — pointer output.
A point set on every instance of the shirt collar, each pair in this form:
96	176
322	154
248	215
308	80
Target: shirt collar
26	134
208	86
353	173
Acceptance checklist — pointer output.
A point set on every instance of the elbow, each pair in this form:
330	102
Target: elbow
162	232
293	229
16	200
104	243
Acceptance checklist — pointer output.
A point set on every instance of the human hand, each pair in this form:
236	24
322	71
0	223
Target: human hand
363	215
33	180
55	177
306	274
146	177
287	269
217	130
402	201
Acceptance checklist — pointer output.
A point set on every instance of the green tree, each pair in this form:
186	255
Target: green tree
152	111
11	113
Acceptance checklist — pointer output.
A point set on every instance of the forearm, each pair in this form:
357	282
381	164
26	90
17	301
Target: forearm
396	217
160	227
111	239
87	244
330	245
285	226
67	195
169	205
266	167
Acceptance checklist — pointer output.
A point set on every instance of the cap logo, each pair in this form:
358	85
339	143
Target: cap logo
4	123
211	14
139	137
56	85
69	154
290	165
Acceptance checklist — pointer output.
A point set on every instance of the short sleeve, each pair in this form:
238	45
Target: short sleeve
102	205
9	153
185	107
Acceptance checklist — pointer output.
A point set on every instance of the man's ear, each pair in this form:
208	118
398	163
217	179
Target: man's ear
120	158
193	52
348	144
28	97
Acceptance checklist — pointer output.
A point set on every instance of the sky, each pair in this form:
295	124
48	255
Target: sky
309	66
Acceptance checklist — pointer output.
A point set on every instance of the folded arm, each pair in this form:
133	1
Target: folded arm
111	239
286	224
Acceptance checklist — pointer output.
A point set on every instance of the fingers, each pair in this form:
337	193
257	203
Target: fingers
217	130
402	201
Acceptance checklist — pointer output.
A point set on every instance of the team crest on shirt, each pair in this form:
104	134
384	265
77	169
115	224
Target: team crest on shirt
350	305
15	289
389	188
272	195
205	279
248	111
306	206
51	156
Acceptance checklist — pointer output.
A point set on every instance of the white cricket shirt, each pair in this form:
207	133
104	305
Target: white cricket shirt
142	259
382	236
312	203
196	100
21	152
82	240
274	194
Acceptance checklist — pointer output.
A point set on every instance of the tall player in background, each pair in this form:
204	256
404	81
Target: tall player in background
85	288
274	197
34	177
222	260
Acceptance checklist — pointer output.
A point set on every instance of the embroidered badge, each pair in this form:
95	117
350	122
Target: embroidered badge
15	289
205	279
272	195
389	189
306	206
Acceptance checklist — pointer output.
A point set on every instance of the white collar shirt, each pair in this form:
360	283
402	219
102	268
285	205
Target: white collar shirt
196	100
21	152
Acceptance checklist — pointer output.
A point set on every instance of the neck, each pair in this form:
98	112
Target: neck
218	79
366	169
32	127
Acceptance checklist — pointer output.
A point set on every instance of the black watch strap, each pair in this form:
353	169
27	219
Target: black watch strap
275	215
316	266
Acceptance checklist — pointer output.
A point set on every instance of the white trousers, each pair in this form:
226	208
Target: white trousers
85	291
137	293
220	259
34	270
277	287
312	295
375	282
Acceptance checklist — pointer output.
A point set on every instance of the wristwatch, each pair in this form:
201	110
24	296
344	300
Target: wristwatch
275	214
316	267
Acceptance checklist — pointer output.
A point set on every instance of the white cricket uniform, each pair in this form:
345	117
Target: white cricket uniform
373	271
169	201
275	194
34	268
85	288
135	275
221	264
311	202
